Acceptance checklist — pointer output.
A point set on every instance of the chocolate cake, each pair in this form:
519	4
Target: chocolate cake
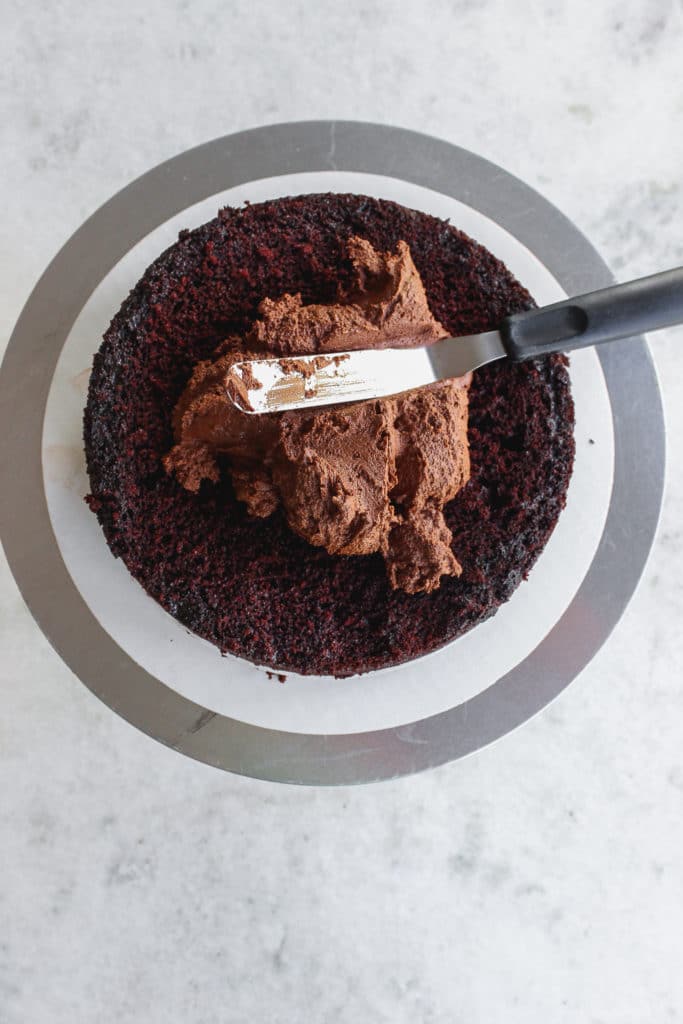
248	582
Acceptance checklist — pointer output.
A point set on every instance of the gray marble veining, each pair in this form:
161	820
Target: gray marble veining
539	881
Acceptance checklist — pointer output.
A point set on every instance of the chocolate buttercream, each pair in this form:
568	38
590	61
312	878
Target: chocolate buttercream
355	479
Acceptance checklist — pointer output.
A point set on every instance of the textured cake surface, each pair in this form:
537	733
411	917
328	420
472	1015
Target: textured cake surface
251	586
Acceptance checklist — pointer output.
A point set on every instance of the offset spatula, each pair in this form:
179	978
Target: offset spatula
275	385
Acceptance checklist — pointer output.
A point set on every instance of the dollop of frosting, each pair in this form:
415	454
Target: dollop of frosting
354	479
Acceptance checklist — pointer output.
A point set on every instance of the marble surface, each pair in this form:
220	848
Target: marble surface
537	881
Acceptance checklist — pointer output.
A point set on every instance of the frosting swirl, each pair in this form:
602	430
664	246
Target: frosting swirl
355	479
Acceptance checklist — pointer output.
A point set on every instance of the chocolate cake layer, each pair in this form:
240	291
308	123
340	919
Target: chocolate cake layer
251	586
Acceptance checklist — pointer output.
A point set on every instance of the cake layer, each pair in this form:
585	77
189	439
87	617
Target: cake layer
251	586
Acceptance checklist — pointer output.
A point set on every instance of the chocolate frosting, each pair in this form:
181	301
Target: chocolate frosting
355	479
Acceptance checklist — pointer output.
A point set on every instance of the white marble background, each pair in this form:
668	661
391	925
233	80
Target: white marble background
538	881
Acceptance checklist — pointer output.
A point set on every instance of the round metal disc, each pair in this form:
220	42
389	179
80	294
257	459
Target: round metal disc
144	700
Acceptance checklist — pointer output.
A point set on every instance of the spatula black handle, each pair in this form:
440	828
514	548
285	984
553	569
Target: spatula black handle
647	304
